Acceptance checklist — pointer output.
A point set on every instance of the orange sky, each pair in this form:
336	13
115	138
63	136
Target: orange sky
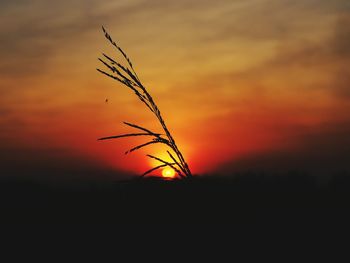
237	82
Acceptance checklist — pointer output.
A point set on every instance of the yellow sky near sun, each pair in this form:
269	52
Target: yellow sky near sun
231	77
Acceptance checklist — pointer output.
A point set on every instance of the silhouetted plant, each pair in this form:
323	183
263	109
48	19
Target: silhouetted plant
128	77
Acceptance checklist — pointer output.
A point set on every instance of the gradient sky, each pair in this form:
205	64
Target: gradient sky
243	85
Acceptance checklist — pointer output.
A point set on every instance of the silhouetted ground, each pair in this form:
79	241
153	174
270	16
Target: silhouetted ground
286	200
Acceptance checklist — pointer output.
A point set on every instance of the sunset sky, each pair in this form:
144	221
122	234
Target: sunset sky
243	85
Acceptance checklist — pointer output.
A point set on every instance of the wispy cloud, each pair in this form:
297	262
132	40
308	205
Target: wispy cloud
322	151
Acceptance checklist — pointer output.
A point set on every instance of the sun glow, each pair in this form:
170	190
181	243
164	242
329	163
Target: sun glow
168	173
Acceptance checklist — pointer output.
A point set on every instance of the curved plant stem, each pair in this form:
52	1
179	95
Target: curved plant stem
128	77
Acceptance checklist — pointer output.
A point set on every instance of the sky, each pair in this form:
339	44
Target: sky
254	85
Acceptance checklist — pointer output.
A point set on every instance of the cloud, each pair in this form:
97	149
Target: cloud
53	164
341	41
41	28
340	47
325	150
311	64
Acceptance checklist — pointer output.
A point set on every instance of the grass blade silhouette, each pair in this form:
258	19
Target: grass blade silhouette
167	163
125	135
153	169
126	75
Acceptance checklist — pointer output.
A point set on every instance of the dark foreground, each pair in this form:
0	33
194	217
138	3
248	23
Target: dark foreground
266	200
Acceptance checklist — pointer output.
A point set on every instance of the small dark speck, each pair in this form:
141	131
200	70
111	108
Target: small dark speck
106	100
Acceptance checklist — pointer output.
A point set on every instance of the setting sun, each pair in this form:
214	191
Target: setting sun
168	173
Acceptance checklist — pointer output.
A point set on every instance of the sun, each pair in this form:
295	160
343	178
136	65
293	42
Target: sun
168	173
